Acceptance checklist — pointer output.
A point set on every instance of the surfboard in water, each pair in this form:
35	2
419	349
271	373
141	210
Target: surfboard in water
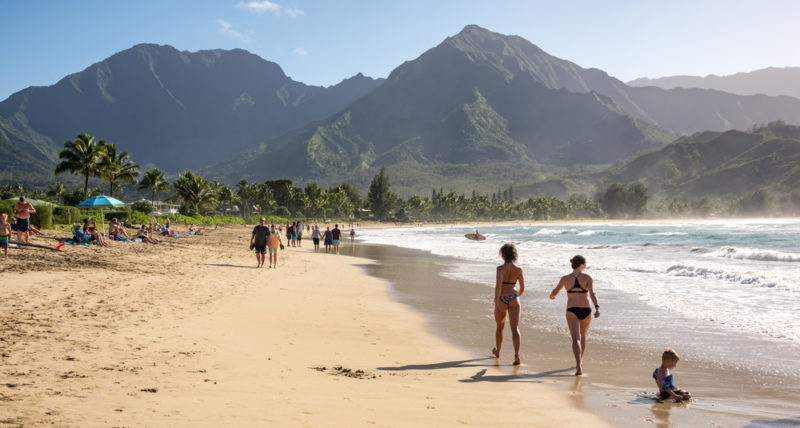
475	237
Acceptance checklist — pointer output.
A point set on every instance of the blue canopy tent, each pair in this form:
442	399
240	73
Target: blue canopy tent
101	201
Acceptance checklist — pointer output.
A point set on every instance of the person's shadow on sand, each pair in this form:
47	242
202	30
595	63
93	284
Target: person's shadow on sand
442	365
528	377
788	422
230	265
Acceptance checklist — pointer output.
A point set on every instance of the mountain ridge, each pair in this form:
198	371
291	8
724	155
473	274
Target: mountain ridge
150	96
774	81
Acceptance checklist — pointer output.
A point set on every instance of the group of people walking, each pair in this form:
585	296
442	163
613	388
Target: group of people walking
266	239
581	299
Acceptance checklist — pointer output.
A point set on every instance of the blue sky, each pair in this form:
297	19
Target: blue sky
322	42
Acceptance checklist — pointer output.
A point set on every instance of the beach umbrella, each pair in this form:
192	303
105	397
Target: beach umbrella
155	214
101	201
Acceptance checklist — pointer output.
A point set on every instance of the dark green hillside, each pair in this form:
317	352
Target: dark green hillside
457	104
706	164
178	109
26	156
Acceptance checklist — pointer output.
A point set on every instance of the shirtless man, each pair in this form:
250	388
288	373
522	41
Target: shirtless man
22	211
116	230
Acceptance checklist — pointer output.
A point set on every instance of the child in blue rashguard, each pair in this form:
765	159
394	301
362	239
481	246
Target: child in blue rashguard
663	378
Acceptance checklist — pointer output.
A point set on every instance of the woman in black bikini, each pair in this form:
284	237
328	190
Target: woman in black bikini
579	288
506	299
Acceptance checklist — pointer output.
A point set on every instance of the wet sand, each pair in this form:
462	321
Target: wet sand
190	333
617	386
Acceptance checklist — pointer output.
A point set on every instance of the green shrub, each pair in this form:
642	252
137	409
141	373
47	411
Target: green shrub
138	217
188	209
8	208
282	212
119	215
43	217
142	207
66	215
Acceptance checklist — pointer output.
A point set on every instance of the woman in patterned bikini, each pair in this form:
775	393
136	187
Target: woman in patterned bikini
506	299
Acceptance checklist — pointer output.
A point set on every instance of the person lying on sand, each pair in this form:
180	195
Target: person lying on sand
663	378
506	299
195	231
144	236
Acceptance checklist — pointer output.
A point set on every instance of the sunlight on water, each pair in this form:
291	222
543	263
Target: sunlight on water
740	276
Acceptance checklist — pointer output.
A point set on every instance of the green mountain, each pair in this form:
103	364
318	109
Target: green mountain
475	99
482	104
678	110
173	109
768	81
479	111
714	164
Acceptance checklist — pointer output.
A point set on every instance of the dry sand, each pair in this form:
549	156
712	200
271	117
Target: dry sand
188	332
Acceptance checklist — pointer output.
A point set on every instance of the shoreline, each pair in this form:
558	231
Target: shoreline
618	385
189	333
378	225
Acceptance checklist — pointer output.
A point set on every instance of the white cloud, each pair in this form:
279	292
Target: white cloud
300	51
226	28
293	12
263	6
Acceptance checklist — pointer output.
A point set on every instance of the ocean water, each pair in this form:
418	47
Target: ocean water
724	291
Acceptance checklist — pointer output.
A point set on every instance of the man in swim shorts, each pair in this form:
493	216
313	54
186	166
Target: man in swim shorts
258	241
336	234
22	211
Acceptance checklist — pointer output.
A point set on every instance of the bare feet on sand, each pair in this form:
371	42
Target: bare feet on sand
496	353
516	360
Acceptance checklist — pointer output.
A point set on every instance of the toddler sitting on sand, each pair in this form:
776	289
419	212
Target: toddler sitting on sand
666	386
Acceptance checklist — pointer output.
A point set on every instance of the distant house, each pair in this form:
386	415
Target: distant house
165	207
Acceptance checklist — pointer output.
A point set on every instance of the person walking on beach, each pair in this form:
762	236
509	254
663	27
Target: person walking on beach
315	238
273	242
22	212
506	300
299	231
328	239
336	235
293	228
258	241
5	233
580	288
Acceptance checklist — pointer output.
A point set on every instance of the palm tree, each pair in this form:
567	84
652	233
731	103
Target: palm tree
154	181
194	189
56	190
81	156
114	167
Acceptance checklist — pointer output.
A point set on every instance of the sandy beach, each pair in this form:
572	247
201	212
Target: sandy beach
189	332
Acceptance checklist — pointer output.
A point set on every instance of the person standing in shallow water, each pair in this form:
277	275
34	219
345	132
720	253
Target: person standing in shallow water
580	288
506	300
